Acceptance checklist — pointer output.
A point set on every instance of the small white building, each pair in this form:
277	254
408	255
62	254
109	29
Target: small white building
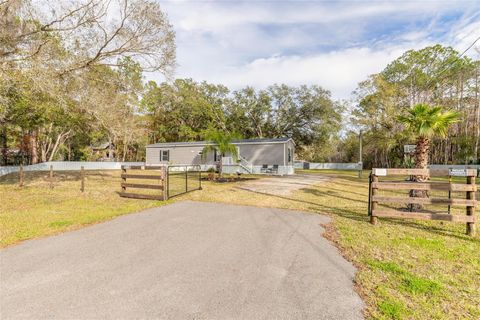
270	156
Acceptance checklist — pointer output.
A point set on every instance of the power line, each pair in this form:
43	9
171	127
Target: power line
454	62
470	47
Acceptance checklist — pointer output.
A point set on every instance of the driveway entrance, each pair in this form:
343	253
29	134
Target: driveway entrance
188	260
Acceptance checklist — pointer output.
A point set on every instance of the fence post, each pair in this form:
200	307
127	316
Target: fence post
370	194
82	177
51	176
21	176
471	209
186	179
373	219
165	182
360	153
450	193
200	178
124	179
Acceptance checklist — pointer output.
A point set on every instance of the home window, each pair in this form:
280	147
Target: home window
165	155
289	153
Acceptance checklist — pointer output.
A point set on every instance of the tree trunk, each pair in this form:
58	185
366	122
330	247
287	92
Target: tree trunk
220	167
477	118
34	147
4	145
124	153
421	162
422	152
55	146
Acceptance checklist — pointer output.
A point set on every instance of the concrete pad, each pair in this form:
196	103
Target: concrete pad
283	185
188	260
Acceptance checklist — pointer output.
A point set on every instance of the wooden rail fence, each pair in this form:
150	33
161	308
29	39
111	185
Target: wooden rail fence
161	185
469	201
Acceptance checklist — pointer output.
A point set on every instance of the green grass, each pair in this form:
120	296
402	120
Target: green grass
35	210
407	269
409	282
391	309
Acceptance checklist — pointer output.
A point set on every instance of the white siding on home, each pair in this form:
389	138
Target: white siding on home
152	156
289	145
258	154
178	155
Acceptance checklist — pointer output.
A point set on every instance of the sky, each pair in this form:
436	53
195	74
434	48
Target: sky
334	44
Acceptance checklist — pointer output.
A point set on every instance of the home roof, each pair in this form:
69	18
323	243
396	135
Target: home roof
102	146
202	143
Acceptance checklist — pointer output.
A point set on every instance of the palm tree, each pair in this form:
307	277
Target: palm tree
426	122
221	142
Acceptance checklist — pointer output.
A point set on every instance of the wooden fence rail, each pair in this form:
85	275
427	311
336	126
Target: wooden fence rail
161	178
469	202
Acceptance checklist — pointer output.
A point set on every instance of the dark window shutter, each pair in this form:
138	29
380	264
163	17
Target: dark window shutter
166	155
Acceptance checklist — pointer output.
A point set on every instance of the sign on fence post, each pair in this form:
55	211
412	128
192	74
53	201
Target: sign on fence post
409	148
458	172
380	172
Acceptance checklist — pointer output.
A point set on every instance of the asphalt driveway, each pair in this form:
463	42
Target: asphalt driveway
188	260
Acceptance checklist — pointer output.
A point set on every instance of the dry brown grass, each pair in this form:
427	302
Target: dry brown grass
36	210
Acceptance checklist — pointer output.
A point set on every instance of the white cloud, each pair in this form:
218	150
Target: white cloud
338	71
335	45
214	16
465	36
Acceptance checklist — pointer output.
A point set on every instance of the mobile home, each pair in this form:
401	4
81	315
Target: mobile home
254	155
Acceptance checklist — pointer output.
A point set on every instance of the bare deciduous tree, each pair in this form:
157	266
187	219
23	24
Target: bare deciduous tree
92	32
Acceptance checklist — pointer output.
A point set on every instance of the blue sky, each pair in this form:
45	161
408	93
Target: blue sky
334	44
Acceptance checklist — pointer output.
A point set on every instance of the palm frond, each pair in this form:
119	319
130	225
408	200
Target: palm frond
222	142
207	149
426	121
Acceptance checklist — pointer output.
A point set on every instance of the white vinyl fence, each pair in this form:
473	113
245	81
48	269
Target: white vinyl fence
454	166
328	166
7	170
69	166
357	166
91	165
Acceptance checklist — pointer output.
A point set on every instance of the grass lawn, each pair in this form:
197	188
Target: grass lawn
407	269
36	210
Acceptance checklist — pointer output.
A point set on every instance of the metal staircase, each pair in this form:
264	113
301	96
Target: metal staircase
241	162
245	164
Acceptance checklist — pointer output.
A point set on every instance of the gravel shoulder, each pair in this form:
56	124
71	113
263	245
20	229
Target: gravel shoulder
283	185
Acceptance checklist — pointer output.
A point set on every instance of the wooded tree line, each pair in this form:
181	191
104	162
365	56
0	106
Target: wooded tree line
434	75
121	110
186	110
72	77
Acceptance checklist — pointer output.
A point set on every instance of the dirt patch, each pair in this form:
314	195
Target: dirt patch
283	185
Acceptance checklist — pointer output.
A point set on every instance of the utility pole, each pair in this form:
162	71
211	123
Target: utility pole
360	159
